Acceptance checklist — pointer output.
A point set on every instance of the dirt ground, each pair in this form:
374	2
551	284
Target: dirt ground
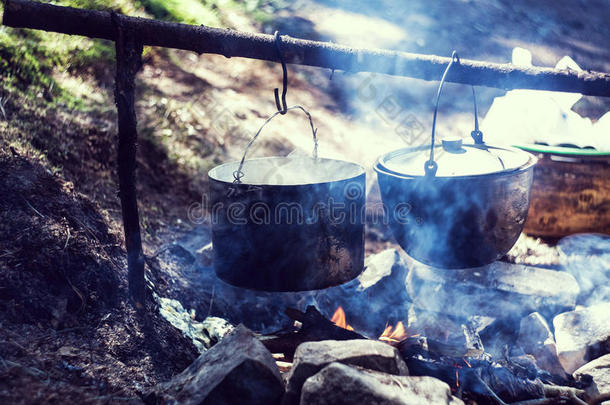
67	332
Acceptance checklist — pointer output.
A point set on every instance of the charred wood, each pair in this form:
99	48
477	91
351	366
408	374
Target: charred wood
489	379
314	327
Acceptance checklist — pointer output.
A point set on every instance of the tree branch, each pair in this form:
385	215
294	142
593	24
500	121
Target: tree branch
201	39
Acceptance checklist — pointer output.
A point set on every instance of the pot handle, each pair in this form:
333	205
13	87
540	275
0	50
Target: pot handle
238	174
431	166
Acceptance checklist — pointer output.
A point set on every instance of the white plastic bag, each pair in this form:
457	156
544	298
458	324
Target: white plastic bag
529	116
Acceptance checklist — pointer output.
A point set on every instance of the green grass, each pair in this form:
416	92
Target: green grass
28	57
24	58
210	12
34	64
187	11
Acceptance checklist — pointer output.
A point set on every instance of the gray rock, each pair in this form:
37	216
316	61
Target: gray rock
533	330
587	257
445	335
205	255
237	370
203	334
498	290
339	384
599	371
311	357
582	335
216	328
536	338
384	266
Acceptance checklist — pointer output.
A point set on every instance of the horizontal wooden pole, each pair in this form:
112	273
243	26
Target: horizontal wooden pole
201	39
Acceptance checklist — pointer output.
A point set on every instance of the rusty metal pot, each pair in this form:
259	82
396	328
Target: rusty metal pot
466	208
287	223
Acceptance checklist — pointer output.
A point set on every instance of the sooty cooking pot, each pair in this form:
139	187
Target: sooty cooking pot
287	223
466	208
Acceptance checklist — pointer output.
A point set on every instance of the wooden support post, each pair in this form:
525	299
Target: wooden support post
128	63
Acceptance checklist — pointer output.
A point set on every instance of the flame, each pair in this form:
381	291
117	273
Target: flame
394	334
390	334
340	320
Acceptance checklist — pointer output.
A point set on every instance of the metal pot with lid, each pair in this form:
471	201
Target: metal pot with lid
457	204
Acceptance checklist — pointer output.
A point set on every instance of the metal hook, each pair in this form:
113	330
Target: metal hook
283	108
477	135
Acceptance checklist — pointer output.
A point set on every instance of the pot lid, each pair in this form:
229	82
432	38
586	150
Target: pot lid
454	158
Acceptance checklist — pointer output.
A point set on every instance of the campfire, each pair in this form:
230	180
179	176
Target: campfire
472	373
500	334
290	310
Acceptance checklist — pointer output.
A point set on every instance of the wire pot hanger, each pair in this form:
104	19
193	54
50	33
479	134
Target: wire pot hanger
430	167
282	109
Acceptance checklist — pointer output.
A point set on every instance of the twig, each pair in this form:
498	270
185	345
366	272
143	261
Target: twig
112	397
489	390
34	209
33	371
599	399
90	231
158	252
67	238
538	401
128	62
4	363
2	104
83	299
553	394
14	343
575	399
60	331
211	299
557	391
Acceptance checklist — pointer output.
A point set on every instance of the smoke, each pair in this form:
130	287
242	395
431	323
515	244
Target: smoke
587	258
385	114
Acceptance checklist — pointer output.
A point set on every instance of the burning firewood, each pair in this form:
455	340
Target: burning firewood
314	327
512	380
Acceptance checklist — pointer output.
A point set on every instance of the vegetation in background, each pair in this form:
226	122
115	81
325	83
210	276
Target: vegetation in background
28	58
57	104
